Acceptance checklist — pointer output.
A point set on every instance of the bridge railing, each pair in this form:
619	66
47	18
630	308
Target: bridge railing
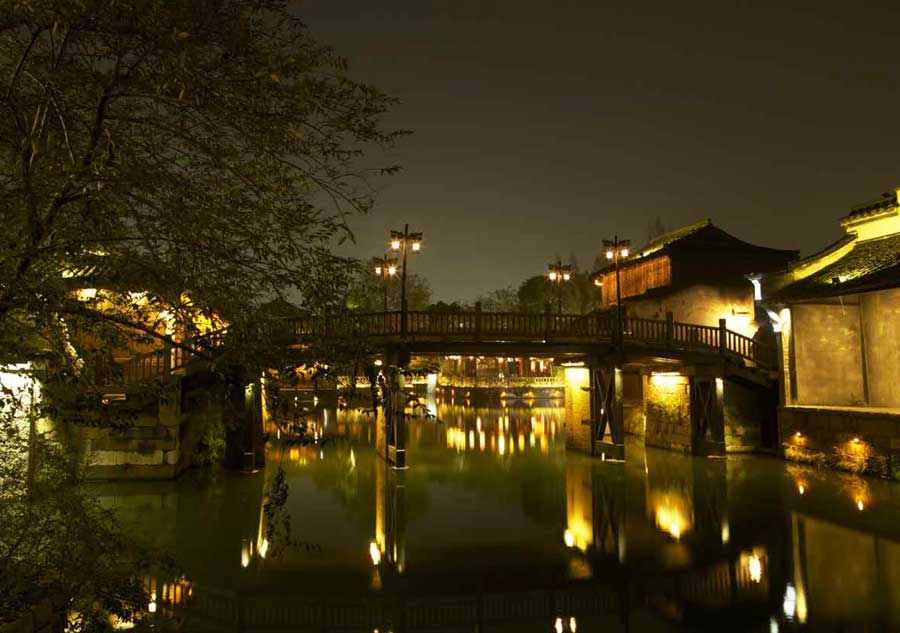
479	325
159	363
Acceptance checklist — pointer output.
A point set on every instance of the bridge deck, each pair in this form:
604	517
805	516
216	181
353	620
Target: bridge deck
488	332
588	331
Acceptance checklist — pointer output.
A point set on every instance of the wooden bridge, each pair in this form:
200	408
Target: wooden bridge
592	340
484	332
426	331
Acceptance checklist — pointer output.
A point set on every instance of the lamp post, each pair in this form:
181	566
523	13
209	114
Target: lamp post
386	268
617	250
403	242
557	274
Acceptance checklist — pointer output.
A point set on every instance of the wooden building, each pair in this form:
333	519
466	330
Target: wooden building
699	273
838	312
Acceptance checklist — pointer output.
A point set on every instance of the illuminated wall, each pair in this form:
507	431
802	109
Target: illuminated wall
828	354
578	408
637	279
667	407
881	335
703	305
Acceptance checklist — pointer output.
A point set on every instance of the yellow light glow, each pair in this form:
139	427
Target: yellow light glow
754	567
566	276
558	625
378	270
801	489
395	245
860	505
374	552
624	252
573	625
569	538
609	254
552	276
856	440
666	379
417	246
392	270
264	548
598	282
501	445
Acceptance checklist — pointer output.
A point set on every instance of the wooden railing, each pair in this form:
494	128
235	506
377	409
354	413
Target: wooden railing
476	325
159	363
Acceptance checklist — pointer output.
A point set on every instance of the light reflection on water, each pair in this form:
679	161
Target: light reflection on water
496	525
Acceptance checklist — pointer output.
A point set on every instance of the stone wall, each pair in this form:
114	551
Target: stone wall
827	354
633	402
150	448
856	440
578	409
702	305
881	333
667	407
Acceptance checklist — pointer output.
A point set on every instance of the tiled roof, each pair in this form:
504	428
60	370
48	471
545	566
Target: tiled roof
885	202
870	265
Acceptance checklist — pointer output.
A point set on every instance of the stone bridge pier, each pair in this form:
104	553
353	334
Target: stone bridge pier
696	408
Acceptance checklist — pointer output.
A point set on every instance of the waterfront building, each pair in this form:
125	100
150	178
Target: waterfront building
698	273
838	312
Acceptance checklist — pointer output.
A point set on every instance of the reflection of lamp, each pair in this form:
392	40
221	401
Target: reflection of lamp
374	552
754	566
569	538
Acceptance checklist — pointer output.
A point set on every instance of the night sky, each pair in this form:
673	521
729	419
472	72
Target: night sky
542	127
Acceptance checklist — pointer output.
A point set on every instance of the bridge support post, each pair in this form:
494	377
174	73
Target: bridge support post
707	412
244	441
607	412
395	408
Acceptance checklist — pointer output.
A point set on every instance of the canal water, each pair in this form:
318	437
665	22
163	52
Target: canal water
496	527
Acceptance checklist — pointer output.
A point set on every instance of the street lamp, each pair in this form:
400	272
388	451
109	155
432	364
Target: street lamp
617	250
558	274
403	242
386	268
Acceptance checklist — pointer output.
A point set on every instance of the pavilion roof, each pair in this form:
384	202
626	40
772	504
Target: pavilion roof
717	250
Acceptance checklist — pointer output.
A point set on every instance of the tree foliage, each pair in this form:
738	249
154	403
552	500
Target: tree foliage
208	147
181	160
367	292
